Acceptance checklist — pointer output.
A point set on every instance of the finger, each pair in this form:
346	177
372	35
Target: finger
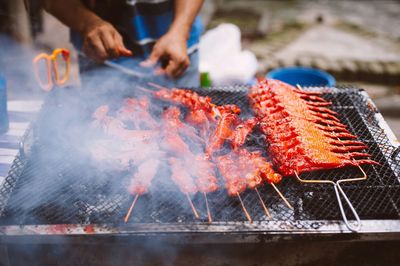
88	51
176	67
183	66
178	72
172	68
110	44
95	47
152	60
159	71
122	50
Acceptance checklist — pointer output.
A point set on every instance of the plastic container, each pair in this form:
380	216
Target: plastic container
302	76
4	123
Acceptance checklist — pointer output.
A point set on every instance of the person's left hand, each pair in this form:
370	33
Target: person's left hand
171	47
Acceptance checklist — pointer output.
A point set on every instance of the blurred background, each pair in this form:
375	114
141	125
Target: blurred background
358	42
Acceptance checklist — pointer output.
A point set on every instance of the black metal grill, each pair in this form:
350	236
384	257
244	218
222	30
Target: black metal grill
44	187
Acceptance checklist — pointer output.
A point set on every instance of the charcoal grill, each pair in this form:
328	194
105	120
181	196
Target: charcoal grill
35	207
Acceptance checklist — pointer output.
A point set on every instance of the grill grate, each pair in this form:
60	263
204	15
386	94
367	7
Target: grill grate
44	187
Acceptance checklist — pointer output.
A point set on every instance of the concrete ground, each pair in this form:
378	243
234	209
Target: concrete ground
355	41
284	34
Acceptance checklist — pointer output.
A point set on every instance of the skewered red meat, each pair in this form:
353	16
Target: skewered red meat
116	128
257	167
174	145
223	131
198	119
302	139
171	141
137	112
108	123
181	176
200	108
171	117
117	154
205	175
110	154
194	101
203	169
101	112
266	170
229	108
230	171
248	168
141	181
242	131
183	97
215	112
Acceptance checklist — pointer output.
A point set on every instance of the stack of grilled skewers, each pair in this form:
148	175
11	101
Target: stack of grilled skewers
302	135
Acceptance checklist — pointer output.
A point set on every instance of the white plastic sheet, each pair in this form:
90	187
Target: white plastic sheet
222	57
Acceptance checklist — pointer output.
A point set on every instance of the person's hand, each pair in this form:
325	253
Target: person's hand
102	41
172	48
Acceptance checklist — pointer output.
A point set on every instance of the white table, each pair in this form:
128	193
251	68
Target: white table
20	113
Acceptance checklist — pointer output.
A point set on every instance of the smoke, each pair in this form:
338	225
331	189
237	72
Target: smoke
82	174
16	67
64	183
80	171
67	180
75	172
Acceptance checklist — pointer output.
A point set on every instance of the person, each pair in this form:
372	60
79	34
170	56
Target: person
161	35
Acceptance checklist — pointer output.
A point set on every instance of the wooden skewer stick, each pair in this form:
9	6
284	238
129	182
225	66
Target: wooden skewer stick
192	206
208	209
144	89
263	204
131	208
244	208
156	86
281	195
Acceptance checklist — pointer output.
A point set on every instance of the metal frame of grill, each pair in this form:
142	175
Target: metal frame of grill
237	231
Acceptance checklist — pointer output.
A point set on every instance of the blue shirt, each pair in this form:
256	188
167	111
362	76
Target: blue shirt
141	23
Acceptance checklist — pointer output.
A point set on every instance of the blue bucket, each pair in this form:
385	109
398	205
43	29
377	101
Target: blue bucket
3	106
304	76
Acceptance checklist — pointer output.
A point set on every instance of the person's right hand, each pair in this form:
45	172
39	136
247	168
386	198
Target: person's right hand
102	41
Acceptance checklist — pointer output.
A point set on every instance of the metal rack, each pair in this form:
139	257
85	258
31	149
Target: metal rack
75	198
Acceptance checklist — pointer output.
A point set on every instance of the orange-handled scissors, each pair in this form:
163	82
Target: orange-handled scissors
56	65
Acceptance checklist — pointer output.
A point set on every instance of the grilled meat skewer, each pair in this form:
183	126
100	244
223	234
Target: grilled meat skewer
297	139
